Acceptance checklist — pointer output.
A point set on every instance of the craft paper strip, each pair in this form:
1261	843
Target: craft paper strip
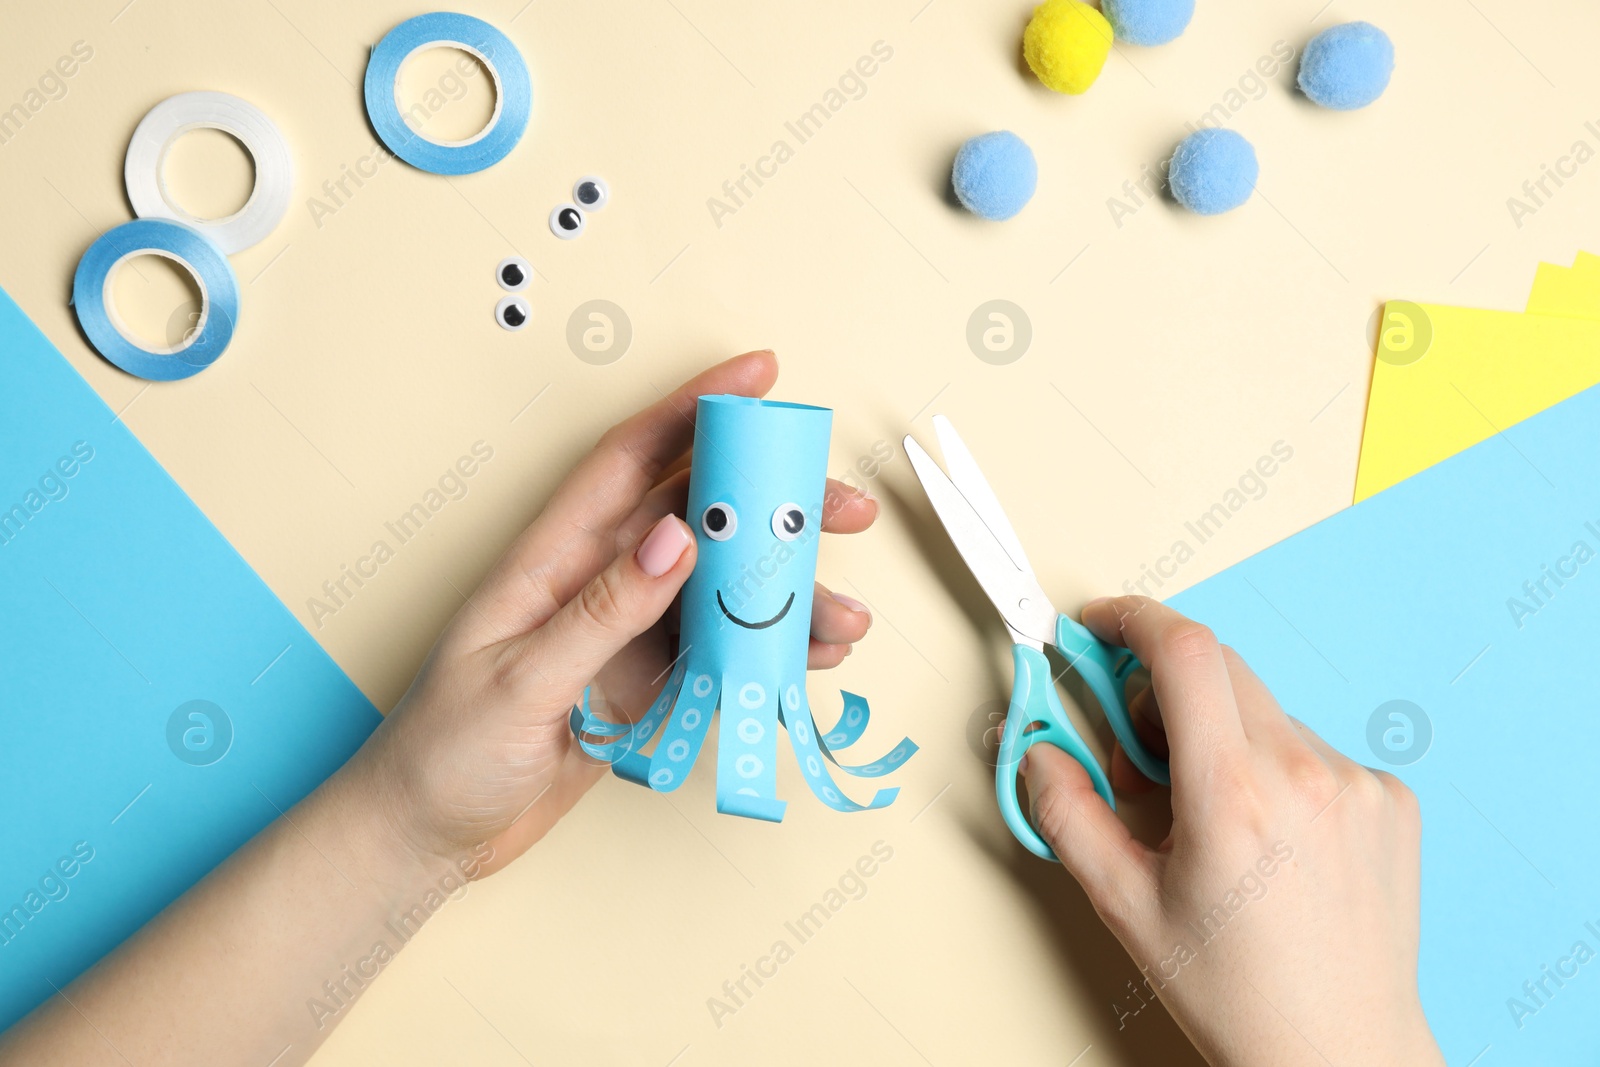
1446	378
1446	630
161	704
756	490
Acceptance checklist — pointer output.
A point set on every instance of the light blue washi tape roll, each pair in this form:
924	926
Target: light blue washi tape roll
219	298
445	29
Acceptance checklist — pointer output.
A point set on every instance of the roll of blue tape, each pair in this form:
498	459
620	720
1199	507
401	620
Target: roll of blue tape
444	29
219	298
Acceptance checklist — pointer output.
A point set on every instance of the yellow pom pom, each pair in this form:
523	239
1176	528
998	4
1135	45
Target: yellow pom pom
1066	44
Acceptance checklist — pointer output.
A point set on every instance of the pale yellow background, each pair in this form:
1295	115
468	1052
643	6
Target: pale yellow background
367	362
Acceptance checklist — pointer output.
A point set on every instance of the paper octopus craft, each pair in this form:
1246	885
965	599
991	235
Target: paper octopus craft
756	488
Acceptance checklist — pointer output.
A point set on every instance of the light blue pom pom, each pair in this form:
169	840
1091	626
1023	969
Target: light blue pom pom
1213	171
1148	22
1347	66
995	175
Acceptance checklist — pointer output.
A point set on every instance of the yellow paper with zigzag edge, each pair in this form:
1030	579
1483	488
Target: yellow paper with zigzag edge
1572	292
1447	378
1389	453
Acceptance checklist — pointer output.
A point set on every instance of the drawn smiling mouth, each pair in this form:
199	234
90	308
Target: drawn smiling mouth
787	604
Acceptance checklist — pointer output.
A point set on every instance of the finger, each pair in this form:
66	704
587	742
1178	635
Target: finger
1189	678
1091	842
846	509
621	602
1264	721
837	619
633	454
1126	779
821	657
575	535
669	497
679	464
1146	716
1335	759
1268	726
1404	798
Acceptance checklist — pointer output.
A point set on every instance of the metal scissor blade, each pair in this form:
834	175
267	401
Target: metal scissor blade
1016	595
969	480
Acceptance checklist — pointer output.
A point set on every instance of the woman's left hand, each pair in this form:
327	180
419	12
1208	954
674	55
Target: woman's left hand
479	750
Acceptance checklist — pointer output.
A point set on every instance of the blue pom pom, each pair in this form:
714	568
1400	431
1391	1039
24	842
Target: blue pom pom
1347	66
1213	171
995	175
1148	22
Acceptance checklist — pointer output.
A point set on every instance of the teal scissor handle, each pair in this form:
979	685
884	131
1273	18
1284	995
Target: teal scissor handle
1105	670
1036	717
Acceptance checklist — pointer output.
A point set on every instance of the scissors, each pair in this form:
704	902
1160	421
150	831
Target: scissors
973	518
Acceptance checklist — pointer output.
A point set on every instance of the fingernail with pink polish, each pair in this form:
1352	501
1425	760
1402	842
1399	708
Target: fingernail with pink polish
662	549
853	604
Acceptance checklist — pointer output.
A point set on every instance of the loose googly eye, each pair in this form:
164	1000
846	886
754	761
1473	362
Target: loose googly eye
719	521
591	193
512	313
788	522
513	274
566	221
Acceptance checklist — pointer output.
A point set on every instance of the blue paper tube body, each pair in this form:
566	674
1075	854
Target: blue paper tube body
756	498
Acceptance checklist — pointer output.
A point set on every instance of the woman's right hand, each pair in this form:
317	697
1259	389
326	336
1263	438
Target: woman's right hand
1278	921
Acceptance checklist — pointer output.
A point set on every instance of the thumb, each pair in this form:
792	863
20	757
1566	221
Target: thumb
1115	870
617	605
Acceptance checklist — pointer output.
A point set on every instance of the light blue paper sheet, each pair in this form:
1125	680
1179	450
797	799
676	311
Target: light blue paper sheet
120	604
1443	592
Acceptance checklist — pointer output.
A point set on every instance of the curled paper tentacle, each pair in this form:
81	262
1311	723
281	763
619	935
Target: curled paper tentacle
630	736
755	505
686	731
803	735
852	724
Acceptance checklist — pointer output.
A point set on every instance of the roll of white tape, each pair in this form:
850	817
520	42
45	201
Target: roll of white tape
176	116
